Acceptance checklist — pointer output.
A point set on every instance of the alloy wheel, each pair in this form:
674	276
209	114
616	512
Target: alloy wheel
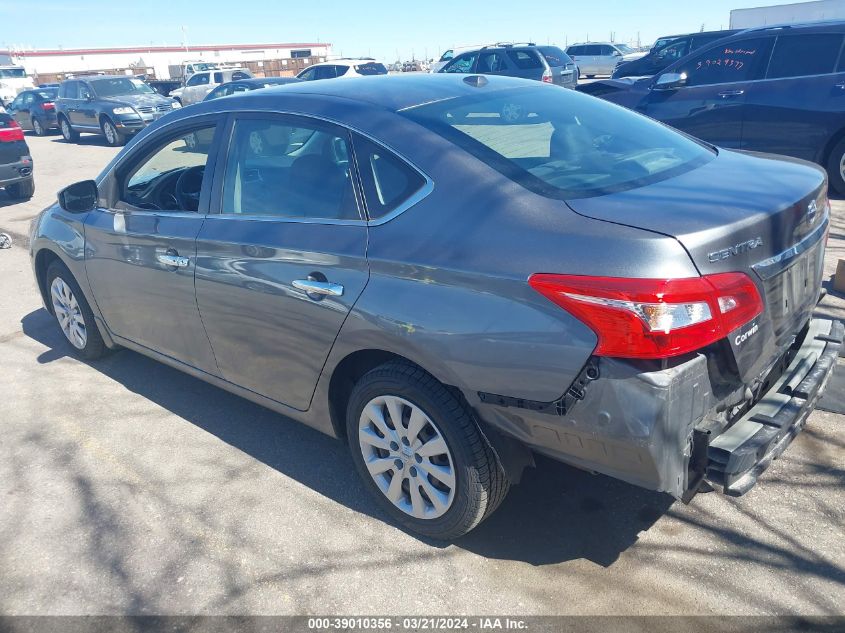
407	457
66	130
37	127
110	132
68	313
842	166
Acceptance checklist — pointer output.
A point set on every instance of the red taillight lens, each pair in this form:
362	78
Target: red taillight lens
654	318
48	106
12	132
547	77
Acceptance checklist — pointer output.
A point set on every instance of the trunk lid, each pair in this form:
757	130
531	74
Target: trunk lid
760	215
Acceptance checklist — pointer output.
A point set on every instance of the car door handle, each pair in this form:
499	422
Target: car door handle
318	287
840	85
173	260
731	93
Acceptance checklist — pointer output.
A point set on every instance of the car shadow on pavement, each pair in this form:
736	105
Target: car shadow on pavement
7	201
557	513
93	140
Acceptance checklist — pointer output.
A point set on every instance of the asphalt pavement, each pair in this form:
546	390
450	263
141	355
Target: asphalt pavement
127	487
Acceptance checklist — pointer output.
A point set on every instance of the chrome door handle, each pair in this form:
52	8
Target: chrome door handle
173	260
731	93
841	85
318	287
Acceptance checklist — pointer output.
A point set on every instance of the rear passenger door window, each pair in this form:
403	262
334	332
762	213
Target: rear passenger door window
389	182
491	63
804	55
289	167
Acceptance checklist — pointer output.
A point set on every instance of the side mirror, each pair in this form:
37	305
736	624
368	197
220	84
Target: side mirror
617	54
670	81
79	197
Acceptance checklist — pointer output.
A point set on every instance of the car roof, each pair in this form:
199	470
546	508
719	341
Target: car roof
92	77
347	61
819	26
390	92
263	80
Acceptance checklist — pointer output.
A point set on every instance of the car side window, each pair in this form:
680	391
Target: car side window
218	78
799	55
491	62
743	60
525	60
340	71
387	179
673	52
72	90
289	167
239	75
17	103
198	80
307	75
462	63
170	176
324	72
84	90
28	99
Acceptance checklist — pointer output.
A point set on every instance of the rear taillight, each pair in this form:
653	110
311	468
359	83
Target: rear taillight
11	133
547	76
48	106
654	318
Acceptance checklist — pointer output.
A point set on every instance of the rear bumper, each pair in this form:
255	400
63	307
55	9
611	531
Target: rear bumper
15	172
737	457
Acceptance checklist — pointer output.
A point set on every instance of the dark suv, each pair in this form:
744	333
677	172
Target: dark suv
15	160
773	89
666	51
528	61
114	106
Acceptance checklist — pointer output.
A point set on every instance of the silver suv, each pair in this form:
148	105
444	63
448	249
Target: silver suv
600	58
201	83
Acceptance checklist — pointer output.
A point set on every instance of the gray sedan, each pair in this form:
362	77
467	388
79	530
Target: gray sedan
453	273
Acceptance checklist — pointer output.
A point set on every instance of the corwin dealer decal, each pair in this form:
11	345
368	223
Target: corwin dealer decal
744	336
738	249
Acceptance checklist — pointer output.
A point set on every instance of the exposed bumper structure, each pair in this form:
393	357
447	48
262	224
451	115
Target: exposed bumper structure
737	457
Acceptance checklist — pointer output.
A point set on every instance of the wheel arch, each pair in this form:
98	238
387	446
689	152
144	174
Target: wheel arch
831	143
43	258
512	454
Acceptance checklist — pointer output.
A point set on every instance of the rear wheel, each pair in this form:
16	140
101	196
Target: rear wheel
113	137
836	168
23	190
73	313
38	128
68	133
420	453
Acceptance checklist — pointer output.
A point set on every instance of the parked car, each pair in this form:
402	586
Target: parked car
775	89
35	110
503	268
203	82
114	106
527	61
345	68
246	85
15	160
600	58
673	48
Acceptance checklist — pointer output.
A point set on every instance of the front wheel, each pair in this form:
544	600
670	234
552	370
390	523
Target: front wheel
73	313
113	137
68	133
836	168
420	453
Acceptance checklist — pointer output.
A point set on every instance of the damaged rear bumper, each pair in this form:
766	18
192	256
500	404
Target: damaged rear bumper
737	457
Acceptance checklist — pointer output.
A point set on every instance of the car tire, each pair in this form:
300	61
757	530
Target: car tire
68	133
73	314
38	128
177	100
836	168
113	137
470	482
22	190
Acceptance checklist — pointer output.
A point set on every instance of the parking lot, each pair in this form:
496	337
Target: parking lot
128	487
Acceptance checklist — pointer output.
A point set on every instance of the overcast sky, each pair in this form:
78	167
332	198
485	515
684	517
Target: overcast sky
377	27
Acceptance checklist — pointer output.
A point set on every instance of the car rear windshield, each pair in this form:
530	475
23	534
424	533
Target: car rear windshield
554	56
116	86
371	68
560	143
49	94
